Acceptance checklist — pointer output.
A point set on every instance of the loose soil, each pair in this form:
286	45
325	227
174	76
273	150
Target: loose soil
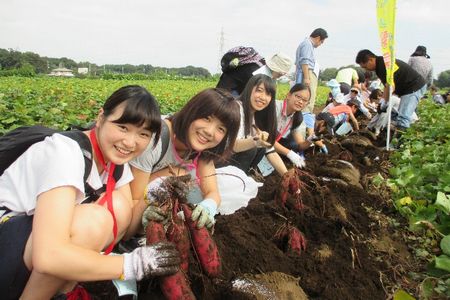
353	250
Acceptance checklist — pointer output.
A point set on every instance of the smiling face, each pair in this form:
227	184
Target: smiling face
120	143
206	133
260	98
297	101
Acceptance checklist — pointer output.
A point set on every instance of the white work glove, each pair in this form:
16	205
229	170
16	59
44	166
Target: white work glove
159	259
204	213
296	159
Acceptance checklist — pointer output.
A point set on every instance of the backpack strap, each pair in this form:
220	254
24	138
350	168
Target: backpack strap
165	137
86	148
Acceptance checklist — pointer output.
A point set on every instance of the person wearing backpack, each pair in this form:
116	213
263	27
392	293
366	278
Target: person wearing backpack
238	65
50	239
201	133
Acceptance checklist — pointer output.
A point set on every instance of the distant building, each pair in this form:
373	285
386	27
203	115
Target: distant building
62	72
83	71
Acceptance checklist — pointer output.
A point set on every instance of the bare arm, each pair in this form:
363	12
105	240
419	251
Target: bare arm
244	144
354	121
302	144
276	161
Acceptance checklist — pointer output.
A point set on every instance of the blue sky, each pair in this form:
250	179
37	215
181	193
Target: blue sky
176	33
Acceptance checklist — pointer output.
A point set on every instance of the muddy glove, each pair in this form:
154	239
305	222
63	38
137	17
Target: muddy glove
204	213
159	259
324	149
153	213
296	159
261	138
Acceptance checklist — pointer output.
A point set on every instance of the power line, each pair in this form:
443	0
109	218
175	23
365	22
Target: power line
221	46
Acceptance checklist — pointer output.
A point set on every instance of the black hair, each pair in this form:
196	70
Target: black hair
322	33
209	102
327	117
265	119
420	51
141	108
353	103
297	118
363	56
375	94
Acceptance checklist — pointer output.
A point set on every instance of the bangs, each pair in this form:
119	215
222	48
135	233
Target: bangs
138	113
226	113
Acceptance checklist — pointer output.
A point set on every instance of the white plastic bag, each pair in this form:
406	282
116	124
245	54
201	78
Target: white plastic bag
235	188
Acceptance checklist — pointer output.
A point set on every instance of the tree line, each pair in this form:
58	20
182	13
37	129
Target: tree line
14	62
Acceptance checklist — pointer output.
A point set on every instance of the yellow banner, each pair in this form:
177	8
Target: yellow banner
386	29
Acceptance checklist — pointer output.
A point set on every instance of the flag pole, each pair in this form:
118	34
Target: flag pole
389	110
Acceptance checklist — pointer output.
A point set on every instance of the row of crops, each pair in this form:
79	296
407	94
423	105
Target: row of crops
59	102
420	180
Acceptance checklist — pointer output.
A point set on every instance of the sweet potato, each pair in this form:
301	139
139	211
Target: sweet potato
204	245
155	232
176	287
178	234
296	240
290	238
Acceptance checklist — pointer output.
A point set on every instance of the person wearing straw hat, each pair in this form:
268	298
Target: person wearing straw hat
277	66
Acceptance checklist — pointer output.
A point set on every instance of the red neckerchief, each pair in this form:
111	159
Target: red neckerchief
188	166
284	110
110	184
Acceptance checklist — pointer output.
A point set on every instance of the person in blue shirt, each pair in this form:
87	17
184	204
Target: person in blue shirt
305	63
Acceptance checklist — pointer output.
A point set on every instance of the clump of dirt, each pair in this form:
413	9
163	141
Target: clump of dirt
352	252
274	285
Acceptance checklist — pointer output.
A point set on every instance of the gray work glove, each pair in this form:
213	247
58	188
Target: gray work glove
159	259
153	213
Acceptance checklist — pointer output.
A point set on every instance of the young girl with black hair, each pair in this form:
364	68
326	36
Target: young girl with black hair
258	129
201	133
290	141
49	238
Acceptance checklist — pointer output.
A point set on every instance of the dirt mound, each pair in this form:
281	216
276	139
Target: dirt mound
344	258
350	252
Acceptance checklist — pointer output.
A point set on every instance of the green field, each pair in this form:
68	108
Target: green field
58	103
